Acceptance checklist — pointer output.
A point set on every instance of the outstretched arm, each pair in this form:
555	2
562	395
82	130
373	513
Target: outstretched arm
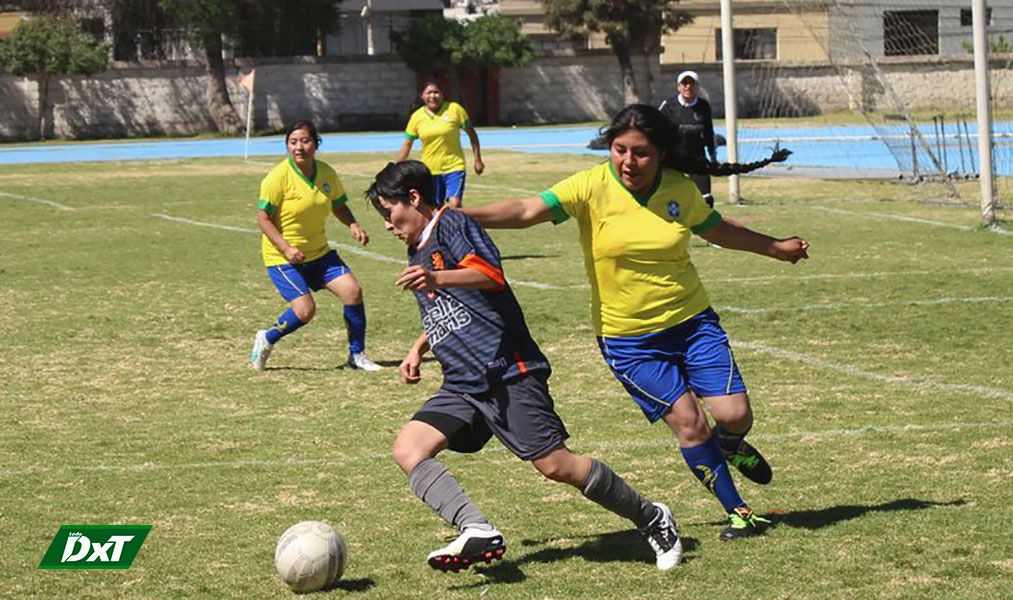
511	214
738	237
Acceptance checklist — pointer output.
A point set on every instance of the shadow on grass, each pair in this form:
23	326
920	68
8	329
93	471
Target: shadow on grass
824	517
352	585
621	546
344	366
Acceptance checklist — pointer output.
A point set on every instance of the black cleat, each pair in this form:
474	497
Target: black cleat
473	546
750	463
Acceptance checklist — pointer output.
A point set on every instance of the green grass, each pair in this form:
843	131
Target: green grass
881	373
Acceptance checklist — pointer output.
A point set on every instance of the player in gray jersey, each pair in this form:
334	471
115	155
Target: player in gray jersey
495	378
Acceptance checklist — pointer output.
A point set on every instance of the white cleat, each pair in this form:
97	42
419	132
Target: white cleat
663	537
359	360
474	545
261	350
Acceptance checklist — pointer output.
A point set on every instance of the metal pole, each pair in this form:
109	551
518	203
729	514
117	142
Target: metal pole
731	100
367	14
249	124
984	110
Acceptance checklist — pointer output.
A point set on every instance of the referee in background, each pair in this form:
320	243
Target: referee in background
694	122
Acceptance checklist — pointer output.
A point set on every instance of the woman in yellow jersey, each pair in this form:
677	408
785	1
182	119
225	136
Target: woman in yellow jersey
655	327
295	199
438	123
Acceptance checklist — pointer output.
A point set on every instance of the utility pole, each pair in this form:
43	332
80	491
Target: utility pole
731	98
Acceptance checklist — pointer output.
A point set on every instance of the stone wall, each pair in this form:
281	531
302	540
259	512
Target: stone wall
374	93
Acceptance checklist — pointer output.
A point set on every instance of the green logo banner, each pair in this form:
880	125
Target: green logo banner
94	547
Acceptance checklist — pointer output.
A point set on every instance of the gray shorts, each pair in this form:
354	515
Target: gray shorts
519	413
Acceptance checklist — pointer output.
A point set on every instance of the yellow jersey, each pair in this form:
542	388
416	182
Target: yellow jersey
298	207
440	133
636	249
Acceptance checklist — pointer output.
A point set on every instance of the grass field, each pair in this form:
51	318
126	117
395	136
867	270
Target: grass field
881	373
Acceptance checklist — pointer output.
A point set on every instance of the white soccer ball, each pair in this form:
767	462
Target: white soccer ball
310	556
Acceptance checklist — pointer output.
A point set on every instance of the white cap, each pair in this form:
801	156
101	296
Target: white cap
691	74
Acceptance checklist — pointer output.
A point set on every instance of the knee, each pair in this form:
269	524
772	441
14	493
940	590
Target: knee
305	310
737	415
407	455
353	295
557	468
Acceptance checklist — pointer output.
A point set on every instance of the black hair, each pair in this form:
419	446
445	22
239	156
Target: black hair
396	180
308	126
417	102
663	135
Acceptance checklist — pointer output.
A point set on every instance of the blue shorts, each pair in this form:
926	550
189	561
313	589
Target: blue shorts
657	368
293	281
449	185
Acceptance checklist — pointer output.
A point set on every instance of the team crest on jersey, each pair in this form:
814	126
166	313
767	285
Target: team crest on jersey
327	188
438	263
673	209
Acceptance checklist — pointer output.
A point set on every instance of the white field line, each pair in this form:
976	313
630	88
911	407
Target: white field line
807	434
549	286
913	382
877	215
52	203
354	250
844	305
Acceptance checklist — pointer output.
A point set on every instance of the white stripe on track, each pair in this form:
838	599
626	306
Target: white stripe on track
913	382
878	215
52	203
844	305
586	445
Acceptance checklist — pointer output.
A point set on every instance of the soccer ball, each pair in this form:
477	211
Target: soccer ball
310	556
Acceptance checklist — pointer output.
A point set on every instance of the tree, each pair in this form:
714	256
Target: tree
206	22
490	41
630	26
48	47
423	46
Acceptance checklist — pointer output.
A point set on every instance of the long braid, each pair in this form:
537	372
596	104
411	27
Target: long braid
693	165
662	134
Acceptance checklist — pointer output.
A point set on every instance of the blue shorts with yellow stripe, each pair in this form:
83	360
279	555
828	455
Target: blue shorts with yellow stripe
657	368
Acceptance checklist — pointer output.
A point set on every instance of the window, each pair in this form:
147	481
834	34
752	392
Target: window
752	44
910	32
967	18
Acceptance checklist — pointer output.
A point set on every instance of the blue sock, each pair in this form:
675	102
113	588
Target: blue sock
708	464
355	319
287	323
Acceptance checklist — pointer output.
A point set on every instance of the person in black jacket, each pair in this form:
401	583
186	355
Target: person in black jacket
694	122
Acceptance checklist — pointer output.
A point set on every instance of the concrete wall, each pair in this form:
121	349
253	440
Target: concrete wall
923	84
569	88
374	93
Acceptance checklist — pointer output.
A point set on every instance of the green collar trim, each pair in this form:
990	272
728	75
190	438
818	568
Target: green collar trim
641	199
302	175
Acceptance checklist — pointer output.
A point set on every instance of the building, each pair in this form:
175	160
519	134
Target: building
821	30
385	17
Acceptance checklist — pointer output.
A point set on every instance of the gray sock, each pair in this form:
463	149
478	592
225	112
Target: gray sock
609	490
435	486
